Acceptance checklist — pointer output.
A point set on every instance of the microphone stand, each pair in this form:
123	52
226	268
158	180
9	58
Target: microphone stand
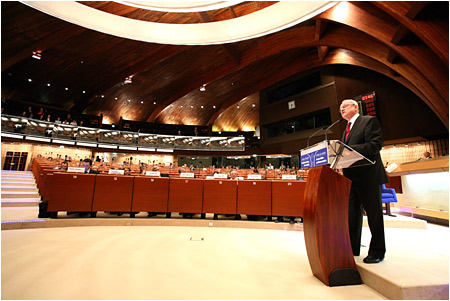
307	142
334	123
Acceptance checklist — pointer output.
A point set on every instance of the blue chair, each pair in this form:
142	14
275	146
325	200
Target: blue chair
388	196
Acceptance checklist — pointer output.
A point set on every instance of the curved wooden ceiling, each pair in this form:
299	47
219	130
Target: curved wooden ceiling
406	41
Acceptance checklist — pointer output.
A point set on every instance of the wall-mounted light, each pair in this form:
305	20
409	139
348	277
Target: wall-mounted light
37	54
203	88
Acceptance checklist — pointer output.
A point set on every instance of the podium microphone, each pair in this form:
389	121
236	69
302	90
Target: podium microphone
334	123
307	142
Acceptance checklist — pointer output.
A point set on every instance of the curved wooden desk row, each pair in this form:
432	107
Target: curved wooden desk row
92	193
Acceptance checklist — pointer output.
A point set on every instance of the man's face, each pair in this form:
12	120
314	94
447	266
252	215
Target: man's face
234	174
64	166
263	173
86	166
348	110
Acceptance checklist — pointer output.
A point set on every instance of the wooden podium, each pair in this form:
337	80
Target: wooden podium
325	224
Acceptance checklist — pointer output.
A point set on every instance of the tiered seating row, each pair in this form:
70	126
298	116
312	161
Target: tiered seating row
117	193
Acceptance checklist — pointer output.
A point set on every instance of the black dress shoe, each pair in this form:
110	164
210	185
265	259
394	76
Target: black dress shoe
372	259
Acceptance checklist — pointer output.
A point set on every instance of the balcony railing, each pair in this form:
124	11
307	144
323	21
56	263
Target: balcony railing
38	130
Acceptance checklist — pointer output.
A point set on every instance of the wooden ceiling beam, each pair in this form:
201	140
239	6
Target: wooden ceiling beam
232	11
432	31
391	55
378	25
322	51
399	34
416	8
321	25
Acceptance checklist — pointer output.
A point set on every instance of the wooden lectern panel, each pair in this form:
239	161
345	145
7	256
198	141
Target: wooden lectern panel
325	224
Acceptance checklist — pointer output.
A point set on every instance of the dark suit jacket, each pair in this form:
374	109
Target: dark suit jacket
367	139
95	172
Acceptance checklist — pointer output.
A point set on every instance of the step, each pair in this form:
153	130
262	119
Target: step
18	176
26	172
9	180
19	184
21	202
15	195
20	189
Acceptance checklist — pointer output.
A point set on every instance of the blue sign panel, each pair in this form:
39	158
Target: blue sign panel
315	158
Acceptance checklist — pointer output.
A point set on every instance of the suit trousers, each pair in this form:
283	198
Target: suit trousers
367	197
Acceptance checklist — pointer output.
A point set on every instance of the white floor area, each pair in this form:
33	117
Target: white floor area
168	262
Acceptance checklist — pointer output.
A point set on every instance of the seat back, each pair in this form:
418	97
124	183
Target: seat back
150	194
254	197
220	196
71	192
288	197
185	195
113	193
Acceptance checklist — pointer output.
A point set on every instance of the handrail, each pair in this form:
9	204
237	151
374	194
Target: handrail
39	130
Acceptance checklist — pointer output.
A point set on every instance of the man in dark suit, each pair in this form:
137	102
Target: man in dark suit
87	164
363	134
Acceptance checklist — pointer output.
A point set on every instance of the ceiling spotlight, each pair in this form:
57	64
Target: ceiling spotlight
115	98
201	107
214	107
192	107
30	80
36	54
253	105
103	96
155	103
181	106
129	100
82	62
84	92
48	85
142	101
237	106
203	88
67	89
128	80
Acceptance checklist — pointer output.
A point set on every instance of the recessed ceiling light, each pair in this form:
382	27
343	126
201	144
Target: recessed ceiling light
67	88
155	103
103	96
181	106
201	107
142	101
214	107
192	107
253	105
115	98
30	80
48	85
84	92
129	100
237	106
82	62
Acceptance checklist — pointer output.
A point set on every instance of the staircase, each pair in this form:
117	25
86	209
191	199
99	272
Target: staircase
19	189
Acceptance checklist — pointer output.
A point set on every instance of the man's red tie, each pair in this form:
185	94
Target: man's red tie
347	130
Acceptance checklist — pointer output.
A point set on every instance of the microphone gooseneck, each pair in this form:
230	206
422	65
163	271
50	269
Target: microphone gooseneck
334	123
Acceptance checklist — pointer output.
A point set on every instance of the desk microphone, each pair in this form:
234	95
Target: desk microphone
326	137
307	142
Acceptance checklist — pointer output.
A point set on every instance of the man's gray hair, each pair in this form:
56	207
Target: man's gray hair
351	101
